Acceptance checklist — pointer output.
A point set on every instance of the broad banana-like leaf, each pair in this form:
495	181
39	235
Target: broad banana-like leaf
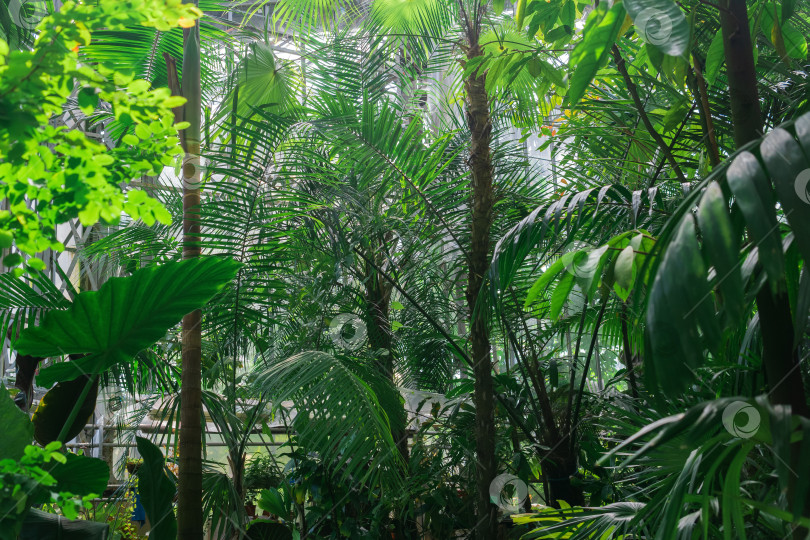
81	475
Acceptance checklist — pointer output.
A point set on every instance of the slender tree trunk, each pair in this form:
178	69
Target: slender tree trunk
741	72
706	114
189	504
378	297
780	358
480	125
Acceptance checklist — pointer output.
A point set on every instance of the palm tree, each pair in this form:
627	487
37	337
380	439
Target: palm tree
189	492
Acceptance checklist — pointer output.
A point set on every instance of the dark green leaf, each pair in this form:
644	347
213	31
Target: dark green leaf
753	195
714	58
157	491
55	407
17	429
721	246
560	294
81	475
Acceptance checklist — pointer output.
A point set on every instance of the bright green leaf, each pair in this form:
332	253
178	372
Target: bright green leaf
592	53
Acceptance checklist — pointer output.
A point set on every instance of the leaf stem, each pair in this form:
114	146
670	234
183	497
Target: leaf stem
91	380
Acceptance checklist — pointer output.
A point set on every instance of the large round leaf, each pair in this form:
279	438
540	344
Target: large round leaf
125	316
81	475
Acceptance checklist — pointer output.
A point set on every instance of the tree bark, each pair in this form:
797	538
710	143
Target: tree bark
780	358
378	298
480	125
741	72
189	503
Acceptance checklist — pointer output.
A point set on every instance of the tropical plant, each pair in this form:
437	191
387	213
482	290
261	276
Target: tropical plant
42	162
584	226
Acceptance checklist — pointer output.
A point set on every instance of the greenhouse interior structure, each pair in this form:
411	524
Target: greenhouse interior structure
404	269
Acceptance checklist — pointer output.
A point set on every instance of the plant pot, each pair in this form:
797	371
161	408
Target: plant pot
250	510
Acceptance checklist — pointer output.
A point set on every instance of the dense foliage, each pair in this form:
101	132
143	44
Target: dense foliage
486	270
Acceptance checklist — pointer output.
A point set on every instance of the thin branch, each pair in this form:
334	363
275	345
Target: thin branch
588	361
633	90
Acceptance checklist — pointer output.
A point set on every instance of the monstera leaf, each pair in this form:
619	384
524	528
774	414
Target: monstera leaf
125	316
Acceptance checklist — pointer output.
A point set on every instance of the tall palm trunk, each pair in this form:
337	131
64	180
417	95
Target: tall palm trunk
189	504
480	125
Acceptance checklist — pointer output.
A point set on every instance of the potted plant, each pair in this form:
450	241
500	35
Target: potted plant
133	465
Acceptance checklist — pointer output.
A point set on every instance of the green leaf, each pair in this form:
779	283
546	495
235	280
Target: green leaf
714	58
660	23
543	281
788	41
789	171
497	6
534	66
753	195
722	247
88	100
272	501
130	139
560	295
733	522
17	429
678	300
675	115
6	239
623	271
142	131
81	475
157	491
125	316
56	405
592	53
12	259
795	43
